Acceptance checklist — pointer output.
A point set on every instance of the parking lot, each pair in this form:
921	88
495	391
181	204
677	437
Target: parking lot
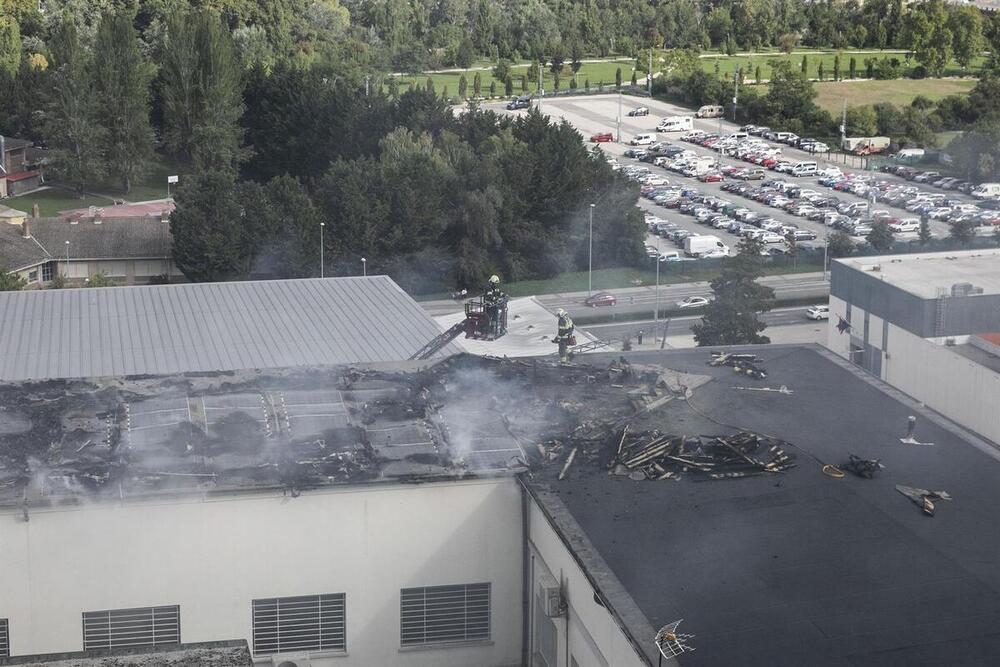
597	114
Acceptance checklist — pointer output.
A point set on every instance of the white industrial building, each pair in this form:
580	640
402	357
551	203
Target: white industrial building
252	464
928	325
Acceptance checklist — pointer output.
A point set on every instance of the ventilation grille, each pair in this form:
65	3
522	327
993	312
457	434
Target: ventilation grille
441	614
4	639
122	628
303	623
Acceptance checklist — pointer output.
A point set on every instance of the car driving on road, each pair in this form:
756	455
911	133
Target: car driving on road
693	302
818	312
639	111
601	299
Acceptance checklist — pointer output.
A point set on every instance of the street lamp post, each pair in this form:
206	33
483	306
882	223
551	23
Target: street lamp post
619	125
590	255
322	250
656	315
364	267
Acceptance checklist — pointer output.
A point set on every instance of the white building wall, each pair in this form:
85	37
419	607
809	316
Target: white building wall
214	555
961	389
836	341
587	634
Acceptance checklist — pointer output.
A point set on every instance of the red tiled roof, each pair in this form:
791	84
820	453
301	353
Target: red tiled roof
21	175
123	210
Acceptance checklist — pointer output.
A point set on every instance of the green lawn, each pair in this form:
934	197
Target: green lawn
151	186
52	201
729	64
594	72
831	95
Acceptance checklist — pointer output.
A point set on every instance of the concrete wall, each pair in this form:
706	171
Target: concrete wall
959	388
587	634
214	555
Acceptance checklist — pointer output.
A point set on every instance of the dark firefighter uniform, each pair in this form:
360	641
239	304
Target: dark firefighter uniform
565	335
492	298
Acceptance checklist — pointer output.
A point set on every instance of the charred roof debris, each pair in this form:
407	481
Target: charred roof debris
297	429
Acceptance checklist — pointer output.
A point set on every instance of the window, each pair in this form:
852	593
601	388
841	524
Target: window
546	637
303	623
4	639
48	271
439	614
33	276
142	626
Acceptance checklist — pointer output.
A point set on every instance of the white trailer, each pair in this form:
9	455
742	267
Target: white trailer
675	124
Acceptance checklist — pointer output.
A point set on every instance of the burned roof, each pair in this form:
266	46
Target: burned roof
207	327
294	429
799	567
234	653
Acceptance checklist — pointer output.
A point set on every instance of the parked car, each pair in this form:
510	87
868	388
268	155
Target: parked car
601	299
711	177
523	102
818	313
601	137
639	111
693	302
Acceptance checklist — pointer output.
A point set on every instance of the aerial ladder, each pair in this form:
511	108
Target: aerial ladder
483	321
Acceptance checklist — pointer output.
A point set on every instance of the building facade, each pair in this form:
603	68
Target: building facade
917	322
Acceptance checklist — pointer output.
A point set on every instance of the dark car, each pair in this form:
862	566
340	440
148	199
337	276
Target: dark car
601	299
639	111
519	103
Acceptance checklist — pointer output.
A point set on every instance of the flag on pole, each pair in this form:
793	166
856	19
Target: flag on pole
843	325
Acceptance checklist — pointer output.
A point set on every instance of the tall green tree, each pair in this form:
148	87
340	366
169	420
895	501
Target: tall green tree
924	231
881	237
121	80
731	318
966	25
202	92
926	33
71	126
10	46
212	239
962	231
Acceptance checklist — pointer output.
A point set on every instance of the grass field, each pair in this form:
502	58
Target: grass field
594	72
53	200
729	64
831	95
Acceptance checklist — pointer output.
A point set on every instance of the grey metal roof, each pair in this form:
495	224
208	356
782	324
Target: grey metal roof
165	329
114	238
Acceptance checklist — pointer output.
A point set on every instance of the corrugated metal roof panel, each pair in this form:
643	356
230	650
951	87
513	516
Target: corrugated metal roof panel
204	327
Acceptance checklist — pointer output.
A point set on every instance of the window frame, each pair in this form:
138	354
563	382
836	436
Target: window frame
258	624
413	621
163	619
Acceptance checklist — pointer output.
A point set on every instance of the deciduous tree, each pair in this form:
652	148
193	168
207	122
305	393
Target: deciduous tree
731	317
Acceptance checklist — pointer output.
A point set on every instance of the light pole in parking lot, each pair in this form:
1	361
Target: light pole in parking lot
590	255
364	267
656	314
322	250
826	249
619	115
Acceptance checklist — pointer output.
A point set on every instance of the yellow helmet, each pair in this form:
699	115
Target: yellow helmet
495	279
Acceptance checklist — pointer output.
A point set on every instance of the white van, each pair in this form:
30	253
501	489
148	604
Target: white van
984	190
804	169
643	139
739	136
675	124
709	111
782	136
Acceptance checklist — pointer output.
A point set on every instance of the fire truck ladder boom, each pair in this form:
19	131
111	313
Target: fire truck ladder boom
438	343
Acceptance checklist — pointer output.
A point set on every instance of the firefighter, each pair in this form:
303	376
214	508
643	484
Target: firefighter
565	335
492	299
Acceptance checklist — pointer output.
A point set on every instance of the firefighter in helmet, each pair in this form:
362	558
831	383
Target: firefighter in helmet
565	335
493	297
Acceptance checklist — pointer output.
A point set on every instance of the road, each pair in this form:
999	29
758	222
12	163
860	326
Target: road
598	113
679	326
643	299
